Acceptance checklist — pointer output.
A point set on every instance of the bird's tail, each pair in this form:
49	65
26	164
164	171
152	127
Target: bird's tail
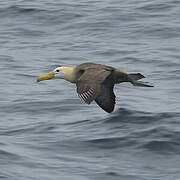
133	78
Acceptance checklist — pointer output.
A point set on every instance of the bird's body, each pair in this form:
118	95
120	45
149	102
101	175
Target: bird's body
95	82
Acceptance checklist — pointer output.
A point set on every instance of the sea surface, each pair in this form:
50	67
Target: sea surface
47	132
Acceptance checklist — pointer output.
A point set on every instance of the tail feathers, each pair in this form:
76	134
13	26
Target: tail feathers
136	76
140	83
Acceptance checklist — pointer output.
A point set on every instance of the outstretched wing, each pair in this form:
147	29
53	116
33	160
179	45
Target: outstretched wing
89	83
106	98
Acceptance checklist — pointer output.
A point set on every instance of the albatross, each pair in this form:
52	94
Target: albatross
95	82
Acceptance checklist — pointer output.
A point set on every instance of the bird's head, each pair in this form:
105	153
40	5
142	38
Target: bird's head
62	72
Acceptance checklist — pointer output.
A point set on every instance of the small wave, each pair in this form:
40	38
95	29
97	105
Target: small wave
140	117
18	130
78	122
109	174
28	32
151	6
7	58
115	175
3	175
40	107
162	146
112	142
15	9
8	155
26	75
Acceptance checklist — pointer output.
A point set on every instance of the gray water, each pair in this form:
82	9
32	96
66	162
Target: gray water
47	132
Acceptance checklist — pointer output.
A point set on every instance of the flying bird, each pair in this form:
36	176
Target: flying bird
95	82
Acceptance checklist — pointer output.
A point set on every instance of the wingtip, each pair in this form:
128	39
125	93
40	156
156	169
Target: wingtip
142	76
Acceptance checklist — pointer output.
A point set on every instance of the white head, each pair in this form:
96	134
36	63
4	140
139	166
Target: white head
59	73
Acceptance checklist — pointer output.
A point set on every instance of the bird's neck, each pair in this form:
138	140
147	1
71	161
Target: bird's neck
69	74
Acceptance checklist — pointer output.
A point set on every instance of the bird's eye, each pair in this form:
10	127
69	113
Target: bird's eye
57	70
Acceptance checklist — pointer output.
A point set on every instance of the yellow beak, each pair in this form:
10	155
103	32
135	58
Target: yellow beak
46	77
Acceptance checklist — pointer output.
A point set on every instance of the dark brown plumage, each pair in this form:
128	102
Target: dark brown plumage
96	82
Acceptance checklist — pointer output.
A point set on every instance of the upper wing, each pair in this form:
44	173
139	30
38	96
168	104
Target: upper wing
89	83
89	65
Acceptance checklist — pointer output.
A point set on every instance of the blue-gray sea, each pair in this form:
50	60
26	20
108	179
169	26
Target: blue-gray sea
47	132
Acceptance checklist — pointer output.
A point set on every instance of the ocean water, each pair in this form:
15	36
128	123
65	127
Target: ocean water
47	132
